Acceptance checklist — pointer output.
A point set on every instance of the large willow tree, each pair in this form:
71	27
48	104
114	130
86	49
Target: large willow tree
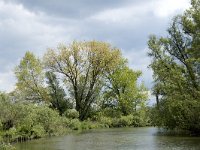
176	67
82	66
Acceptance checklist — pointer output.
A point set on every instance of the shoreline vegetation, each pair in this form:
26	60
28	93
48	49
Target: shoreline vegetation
41	121
88	85
81	86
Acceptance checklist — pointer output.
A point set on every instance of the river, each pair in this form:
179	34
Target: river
114	139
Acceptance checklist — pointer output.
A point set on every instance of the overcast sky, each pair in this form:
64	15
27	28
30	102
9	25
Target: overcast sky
36	25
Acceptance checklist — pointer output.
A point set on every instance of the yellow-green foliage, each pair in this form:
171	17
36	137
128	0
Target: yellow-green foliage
74	124
4	146
71	113
38	131
123	121
126	120
106	121
33	121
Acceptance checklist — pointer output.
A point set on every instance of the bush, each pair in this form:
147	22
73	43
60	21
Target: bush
85	125
106	121
10	134
71	113
8	146
74	124
1	139
110	112
37	119
38	131
50	120
137	121
1	126
125	121
34	121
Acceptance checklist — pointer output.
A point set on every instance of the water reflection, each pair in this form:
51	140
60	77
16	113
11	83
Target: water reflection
114	139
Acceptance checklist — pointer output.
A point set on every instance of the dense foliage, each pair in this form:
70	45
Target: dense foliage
81	86
176	66
82	67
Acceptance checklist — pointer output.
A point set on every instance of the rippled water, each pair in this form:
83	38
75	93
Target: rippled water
114	139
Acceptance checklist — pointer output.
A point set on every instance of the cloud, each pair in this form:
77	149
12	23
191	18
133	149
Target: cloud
140	61
162	8
23	30
7	79
36	25
76	9
165	8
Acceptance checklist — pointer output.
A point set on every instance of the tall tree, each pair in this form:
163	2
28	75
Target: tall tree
122	89
176	62
83	65
30	78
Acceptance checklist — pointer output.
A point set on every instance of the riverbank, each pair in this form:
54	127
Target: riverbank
62	125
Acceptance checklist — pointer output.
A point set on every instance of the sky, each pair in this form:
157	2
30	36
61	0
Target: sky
36	25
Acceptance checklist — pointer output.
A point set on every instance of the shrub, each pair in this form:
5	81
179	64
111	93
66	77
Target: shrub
38	131
10	134
51	120
37	121
1	126
136	121
8	146
74	124
106	121
110	112
71	113
125	121
1	139
85	125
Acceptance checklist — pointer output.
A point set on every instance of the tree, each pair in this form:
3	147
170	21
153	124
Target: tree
7	113
122	89
58	97
176	62
30	78
82	65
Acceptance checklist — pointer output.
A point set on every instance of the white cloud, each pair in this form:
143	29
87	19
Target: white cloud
6	81
159	8
139	61
35	28
121	15
23	30
165	8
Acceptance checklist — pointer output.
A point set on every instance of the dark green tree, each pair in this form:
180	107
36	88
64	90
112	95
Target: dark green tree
123	91
57	94
176	63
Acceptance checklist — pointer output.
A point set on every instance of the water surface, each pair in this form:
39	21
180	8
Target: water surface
114	139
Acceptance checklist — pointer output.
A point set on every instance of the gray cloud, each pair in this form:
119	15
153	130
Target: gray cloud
72	9
36	25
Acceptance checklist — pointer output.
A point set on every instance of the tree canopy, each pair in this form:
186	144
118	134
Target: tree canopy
82	66
176	63
30	78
